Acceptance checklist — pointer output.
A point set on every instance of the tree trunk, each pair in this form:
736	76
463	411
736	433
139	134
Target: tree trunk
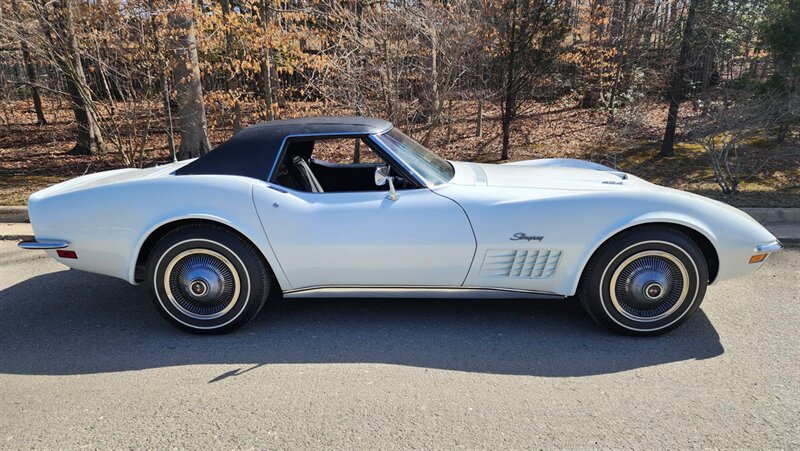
90	138
506	135
232	81
168	114
266	63
676	88
509	102
164	82
434	104
30	71
357	152
619	37
33	81
60	31
388	88
237	116
479	126
192	113
449	120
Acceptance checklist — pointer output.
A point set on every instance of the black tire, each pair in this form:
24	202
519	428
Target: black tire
206	279
659	278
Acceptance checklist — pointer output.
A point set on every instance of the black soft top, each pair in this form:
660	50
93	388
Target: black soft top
252	152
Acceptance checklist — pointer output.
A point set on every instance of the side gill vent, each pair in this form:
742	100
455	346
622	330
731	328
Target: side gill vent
522	263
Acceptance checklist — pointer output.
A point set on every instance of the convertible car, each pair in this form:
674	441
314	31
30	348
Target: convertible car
352	207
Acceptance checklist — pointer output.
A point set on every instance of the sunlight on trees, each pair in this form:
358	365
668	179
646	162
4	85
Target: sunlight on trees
133	70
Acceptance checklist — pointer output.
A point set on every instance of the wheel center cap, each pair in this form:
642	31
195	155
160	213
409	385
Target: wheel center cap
653	290
199	287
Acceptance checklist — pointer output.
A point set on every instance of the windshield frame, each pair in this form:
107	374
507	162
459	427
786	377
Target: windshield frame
382	140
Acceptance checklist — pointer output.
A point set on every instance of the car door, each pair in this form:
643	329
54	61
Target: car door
366	239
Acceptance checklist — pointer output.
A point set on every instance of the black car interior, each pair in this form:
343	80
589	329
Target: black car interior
299	171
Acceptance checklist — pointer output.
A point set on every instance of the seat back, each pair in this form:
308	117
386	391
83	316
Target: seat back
304	171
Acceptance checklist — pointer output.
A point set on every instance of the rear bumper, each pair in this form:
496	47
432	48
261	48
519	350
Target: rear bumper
43	244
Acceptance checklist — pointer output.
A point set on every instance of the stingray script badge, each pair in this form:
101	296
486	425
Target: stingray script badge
519	236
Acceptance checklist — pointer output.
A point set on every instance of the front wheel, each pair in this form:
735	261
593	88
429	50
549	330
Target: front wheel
206	279
644	282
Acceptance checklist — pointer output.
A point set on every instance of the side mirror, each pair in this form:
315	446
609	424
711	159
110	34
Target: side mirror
382	177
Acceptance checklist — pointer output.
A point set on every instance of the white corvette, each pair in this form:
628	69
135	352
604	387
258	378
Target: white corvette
278	207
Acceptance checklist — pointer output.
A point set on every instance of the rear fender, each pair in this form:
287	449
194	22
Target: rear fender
253	232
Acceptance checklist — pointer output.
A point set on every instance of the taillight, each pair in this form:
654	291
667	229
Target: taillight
66	254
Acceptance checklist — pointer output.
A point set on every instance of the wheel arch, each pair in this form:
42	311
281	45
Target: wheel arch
698	235
152	237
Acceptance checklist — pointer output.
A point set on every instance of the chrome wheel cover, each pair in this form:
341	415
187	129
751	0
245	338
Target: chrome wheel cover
649	286
202	284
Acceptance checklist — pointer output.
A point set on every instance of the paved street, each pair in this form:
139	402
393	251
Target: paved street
86	361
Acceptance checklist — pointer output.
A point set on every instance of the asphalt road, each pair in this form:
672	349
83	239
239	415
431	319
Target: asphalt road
85	361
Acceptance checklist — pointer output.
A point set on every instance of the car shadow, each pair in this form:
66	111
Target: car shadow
71	322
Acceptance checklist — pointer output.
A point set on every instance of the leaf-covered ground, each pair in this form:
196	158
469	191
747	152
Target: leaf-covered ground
33	157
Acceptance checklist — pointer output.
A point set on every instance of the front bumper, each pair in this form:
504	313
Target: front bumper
773	246
43	244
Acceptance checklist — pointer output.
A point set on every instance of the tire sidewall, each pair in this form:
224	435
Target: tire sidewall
599	289
253	285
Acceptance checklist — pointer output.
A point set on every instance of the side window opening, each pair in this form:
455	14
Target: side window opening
344	151
325	165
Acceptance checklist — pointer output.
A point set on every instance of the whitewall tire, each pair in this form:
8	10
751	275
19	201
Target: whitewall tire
646	281
206	279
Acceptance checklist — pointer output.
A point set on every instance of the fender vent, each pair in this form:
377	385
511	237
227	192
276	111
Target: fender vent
525	264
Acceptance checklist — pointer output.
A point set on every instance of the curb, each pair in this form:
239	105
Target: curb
774	214
16	237
790	243
13	214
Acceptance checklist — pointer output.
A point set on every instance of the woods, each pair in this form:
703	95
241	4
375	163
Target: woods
151	79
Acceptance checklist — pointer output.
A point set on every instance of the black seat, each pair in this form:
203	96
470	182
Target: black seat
304	171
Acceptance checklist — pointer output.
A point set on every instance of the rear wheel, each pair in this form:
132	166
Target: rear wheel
206	279
644	282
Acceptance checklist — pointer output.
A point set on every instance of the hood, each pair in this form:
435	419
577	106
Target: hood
562	174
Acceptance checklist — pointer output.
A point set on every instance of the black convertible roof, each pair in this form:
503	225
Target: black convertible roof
252	152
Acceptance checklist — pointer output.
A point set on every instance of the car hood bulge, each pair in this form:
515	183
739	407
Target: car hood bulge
555	177
546	174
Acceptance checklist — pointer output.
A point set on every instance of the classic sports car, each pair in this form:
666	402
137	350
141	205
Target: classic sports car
352	207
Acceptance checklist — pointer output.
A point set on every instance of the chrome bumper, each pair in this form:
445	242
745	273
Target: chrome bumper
772	246
43	245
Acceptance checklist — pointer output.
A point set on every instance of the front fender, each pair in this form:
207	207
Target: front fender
654	217
576	223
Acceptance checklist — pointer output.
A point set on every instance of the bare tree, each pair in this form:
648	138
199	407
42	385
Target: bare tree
57	22
267	60
529	34
192	113
30	71
231	80
448	44
731	123
163	79
676	86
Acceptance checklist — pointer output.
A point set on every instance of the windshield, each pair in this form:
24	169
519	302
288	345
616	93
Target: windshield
425	163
